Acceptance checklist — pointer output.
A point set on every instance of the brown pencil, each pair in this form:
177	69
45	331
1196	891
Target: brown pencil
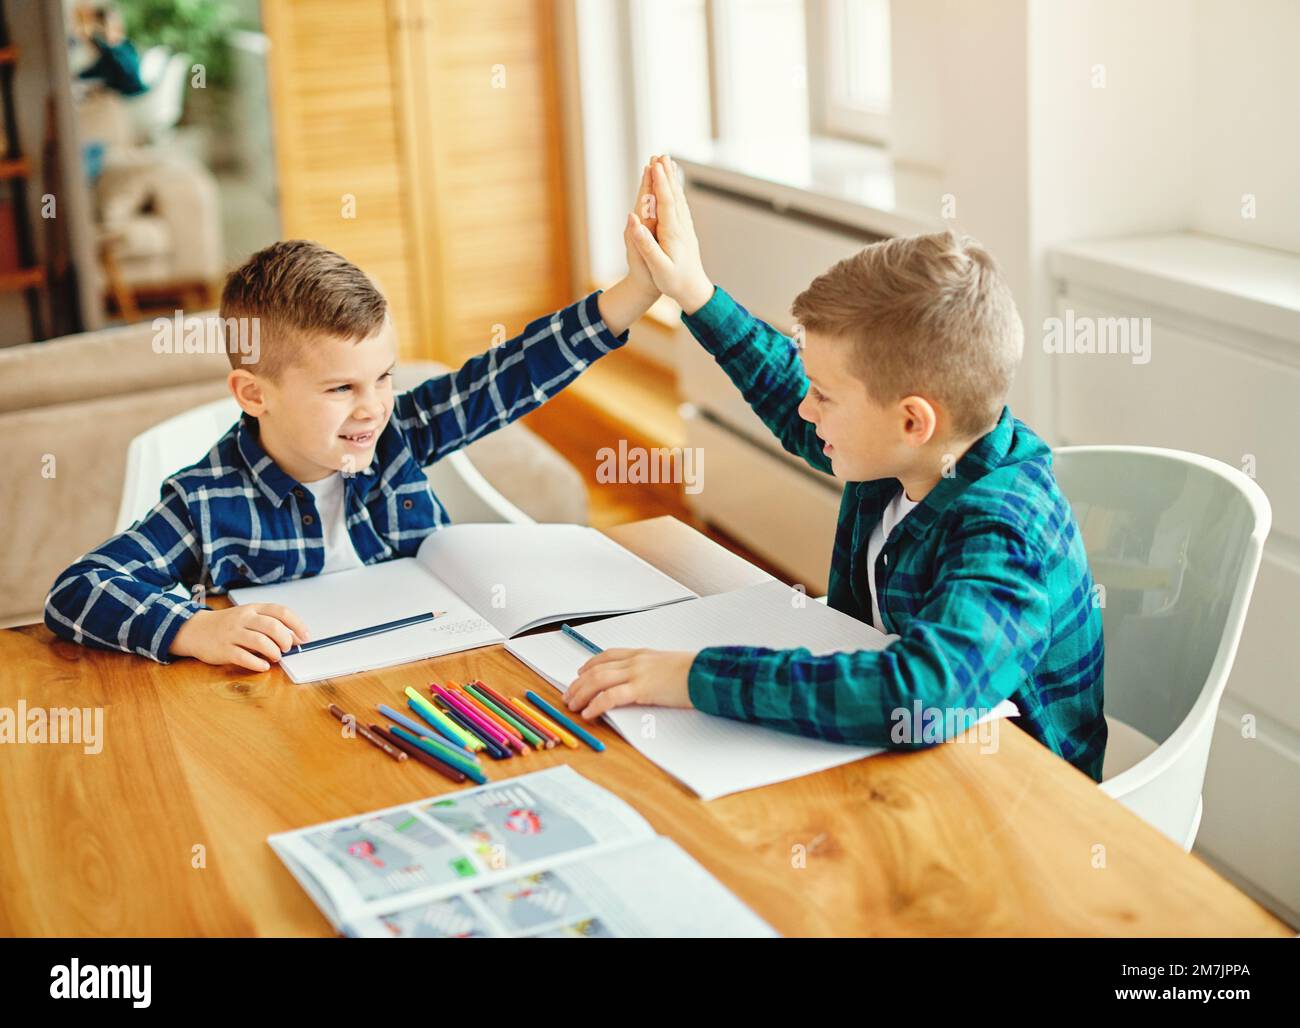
443	769
366	733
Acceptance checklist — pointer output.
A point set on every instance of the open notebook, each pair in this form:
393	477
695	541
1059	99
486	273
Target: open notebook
716	756
492	581
544	855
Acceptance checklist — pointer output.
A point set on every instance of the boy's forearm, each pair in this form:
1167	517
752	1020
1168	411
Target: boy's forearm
764	365
491	390
623	304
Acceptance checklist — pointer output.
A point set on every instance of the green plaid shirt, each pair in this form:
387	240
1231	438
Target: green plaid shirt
985	582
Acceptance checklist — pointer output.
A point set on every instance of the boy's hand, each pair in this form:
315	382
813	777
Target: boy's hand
248	635
628	299
674	260
619	678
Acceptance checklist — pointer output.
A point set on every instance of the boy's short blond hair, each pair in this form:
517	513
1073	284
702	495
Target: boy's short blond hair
297	289
927	315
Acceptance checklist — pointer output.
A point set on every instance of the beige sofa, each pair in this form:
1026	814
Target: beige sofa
70	407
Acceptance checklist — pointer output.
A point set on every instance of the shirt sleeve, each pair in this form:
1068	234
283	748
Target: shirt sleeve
979	634
493	389
116	597
765	366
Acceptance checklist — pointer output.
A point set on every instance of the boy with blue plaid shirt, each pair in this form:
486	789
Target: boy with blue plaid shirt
324	470
953	534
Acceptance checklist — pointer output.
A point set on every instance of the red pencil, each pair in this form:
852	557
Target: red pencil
550	738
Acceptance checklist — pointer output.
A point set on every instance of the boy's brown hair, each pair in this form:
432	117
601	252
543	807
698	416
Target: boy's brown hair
928	315
296	289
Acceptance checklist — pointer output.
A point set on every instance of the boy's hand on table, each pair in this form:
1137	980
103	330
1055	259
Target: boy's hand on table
250	635
620	678
674	258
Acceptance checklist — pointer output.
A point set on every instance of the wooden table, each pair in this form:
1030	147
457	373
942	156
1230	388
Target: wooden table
164	831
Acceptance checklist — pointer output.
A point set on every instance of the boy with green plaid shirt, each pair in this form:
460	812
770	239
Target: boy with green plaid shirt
952	534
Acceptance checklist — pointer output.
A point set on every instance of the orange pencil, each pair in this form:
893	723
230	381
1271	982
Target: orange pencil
497	719
544	721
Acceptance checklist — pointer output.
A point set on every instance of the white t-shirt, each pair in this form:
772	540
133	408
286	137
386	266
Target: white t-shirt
897	509
340	554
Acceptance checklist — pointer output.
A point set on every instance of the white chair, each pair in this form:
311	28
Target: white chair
1175	539
181	440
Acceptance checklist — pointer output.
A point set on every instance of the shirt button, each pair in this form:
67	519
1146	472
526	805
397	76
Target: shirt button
407	504
307	519
299	493
886	560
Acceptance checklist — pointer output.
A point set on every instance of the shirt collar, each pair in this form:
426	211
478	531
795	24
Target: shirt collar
276	484
987	453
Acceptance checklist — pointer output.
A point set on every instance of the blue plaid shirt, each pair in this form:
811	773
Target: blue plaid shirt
235	518
985	582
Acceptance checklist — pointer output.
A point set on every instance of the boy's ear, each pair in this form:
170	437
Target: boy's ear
248	391
920	419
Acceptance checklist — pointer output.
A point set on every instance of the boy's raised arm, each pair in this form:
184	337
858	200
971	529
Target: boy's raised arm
763	363
493	389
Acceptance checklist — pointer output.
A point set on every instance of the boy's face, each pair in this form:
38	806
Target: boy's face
863	439
325	412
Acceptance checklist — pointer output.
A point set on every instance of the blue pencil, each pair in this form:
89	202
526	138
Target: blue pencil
362	633
580	639
414	726
440	731
564	722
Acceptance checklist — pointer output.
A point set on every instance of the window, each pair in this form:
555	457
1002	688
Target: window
851	50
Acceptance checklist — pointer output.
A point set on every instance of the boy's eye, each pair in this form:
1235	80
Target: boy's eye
818	395
340	389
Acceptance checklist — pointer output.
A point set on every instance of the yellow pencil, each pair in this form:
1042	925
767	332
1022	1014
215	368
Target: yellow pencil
544	721
471	743
497	719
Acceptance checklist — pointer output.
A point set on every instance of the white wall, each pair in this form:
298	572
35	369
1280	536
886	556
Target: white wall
1245	104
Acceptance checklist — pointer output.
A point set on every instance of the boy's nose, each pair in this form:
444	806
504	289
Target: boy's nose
806	410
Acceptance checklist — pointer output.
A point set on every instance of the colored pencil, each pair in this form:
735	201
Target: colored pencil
418	754
580	639
443	753
510	729
419	729
564	737
366	733
472	712
433	715
563	721
490	747
522	715
531	737
362	633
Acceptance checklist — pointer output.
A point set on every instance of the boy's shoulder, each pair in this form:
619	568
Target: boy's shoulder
1019	490
222	466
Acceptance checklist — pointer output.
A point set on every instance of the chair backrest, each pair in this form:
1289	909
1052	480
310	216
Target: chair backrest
1174	541
163	450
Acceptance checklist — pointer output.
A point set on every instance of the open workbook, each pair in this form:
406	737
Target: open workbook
715	756
545	855
487	583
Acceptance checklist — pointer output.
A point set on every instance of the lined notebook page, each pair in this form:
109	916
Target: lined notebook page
716	756
521	576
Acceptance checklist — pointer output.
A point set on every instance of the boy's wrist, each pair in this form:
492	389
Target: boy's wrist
624	302
695	295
